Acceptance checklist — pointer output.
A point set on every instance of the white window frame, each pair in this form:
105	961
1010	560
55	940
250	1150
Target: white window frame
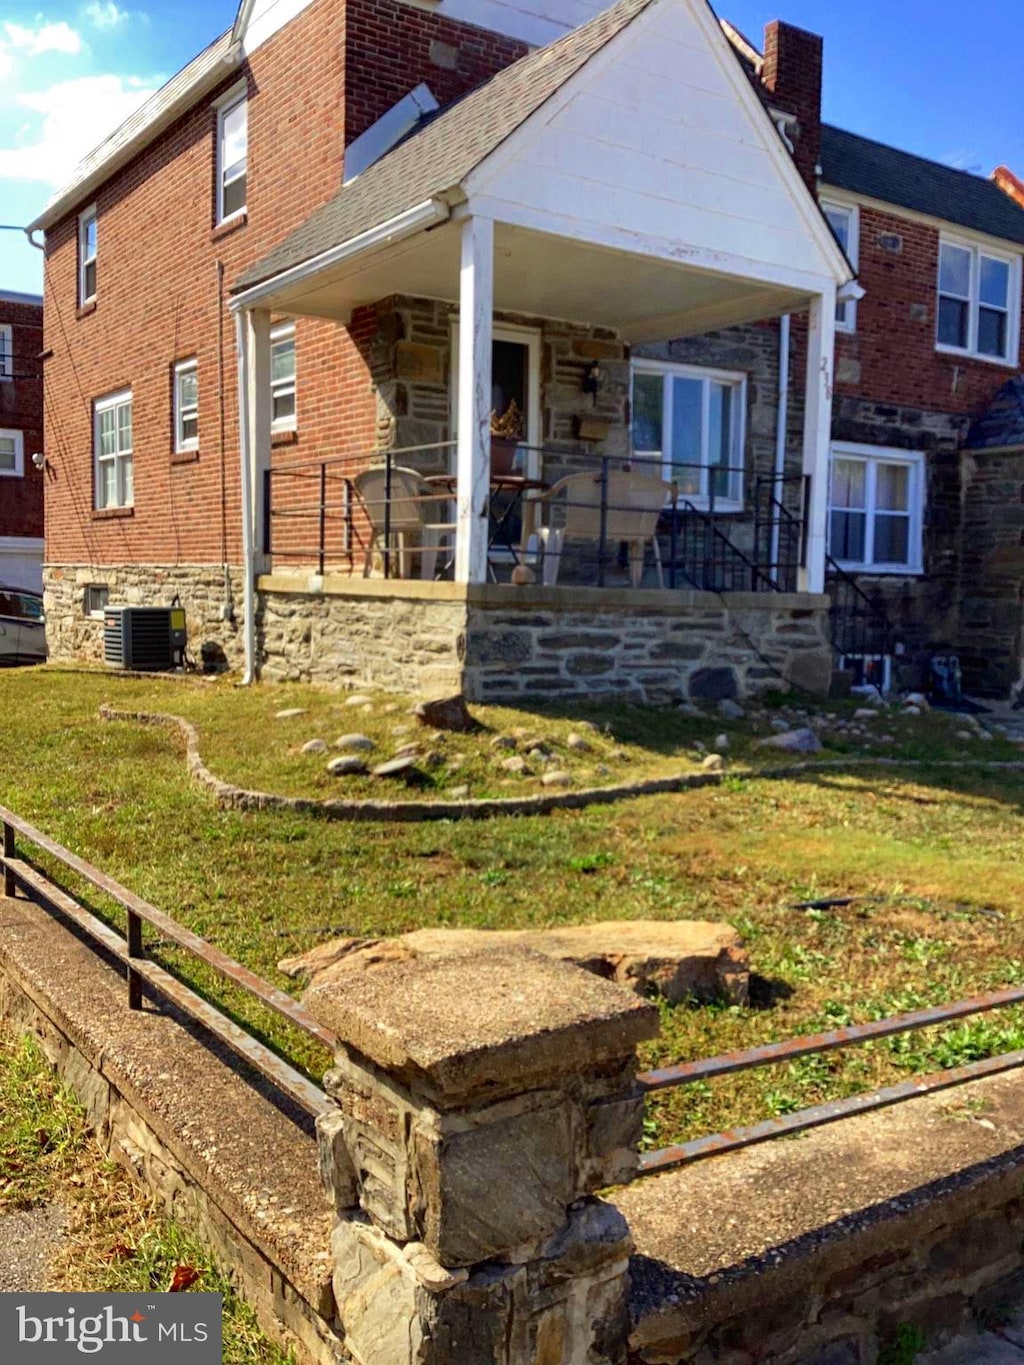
85	218
873	456
846	309
7	433
94	613
185	444
121	458
228	102
977	251
735	380
6	351
281	332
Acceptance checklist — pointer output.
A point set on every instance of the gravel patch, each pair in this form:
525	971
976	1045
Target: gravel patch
28	1241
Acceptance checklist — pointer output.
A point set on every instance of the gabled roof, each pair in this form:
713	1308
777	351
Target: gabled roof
444	151
862	166
1002	426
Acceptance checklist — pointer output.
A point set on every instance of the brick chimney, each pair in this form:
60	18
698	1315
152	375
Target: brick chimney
792	75
1010	184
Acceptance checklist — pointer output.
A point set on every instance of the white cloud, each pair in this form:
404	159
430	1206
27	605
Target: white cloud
104	14
50	145
34	42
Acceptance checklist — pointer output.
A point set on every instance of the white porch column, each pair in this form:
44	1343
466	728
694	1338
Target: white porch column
476	309
260	417
821	336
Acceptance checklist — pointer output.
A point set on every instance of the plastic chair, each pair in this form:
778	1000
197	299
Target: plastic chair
416	522
634	504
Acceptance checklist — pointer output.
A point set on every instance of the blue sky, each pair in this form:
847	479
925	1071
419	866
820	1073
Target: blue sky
929	75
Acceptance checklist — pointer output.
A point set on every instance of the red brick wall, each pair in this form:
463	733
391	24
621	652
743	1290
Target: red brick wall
163	272
21	409
792	74
892	357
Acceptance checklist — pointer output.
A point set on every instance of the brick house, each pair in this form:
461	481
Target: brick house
21	436
447	229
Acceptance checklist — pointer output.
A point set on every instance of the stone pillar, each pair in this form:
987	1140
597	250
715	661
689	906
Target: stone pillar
481	1100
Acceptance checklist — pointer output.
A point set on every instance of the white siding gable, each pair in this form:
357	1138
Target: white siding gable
536	22
659	145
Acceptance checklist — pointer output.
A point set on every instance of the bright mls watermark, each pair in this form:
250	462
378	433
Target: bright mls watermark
52	1329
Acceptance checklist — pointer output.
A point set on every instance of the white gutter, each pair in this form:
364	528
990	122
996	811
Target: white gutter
426	215
781	425
248	530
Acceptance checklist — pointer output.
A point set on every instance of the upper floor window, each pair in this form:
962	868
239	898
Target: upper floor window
186	406
844	222
6	351
88	242
692	421
876	509
232	156
12	454
979	299
282	376
113	446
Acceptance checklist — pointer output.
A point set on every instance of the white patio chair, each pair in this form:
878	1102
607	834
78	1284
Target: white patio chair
417	520
634	504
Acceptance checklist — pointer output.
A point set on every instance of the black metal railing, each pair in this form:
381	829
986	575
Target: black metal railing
565	515
860	628
773	1054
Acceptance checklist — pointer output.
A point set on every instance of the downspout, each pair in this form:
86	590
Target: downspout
248	530
781	431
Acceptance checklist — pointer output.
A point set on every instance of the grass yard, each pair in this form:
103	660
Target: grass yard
933	850
116	1239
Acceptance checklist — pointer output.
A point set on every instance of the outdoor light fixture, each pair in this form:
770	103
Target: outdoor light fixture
593	379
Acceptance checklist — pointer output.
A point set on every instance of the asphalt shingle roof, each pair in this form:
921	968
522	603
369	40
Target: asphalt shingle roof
444	151
861	166
1003	424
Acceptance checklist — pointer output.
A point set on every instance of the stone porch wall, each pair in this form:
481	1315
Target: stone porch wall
990	638
210	593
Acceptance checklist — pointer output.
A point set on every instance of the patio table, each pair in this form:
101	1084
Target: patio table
518	485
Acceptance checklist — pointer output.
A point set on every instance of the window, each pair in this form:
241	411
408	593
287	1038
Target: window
88	243
978	294
186	406
97	595
6	351
844	222
232	156
113	441
876	509
282	376
693	421
12	454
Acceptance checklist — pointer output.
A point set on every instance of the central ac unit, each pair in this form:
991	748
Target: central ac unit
148	639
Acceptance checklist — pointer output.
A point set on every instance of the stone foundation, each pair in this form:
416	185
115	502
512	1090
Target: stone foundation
210	593
506	643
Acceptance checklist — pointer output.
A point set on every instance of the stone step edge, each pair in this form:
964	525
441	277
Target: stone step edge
231	797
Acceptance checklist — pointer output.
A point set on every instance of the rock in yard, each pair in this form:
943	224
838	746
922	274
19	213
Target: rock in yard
359	701
446	713
714	763
866	713
516	764
504	742
676	958
578	743
291	713
315	746
730	709
406	751
721	743
777	723
535	745
911	710
358	743
398	767
348	765
803	741
557	779
458	793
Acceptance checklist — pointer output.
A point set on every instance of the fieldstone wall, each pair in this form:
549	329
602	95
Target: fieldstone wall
210	593
653	647
989	640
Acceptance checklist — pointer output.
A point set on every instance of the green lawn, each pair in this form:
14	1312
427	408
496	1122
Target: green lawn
937	846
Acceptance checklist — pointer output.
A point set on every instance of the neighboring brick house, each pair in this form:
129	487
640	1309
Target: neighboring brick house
21	437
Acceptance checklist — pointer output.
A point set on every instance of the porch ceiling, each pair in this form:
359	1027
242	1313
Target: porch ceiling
643	297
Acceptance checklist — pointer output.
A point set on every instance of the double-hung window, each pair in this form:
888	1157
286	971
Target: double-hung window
113	446
186	406
282	376
232	156
6	351
979	299
691	421
876	505
12	454
88	245
843	220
